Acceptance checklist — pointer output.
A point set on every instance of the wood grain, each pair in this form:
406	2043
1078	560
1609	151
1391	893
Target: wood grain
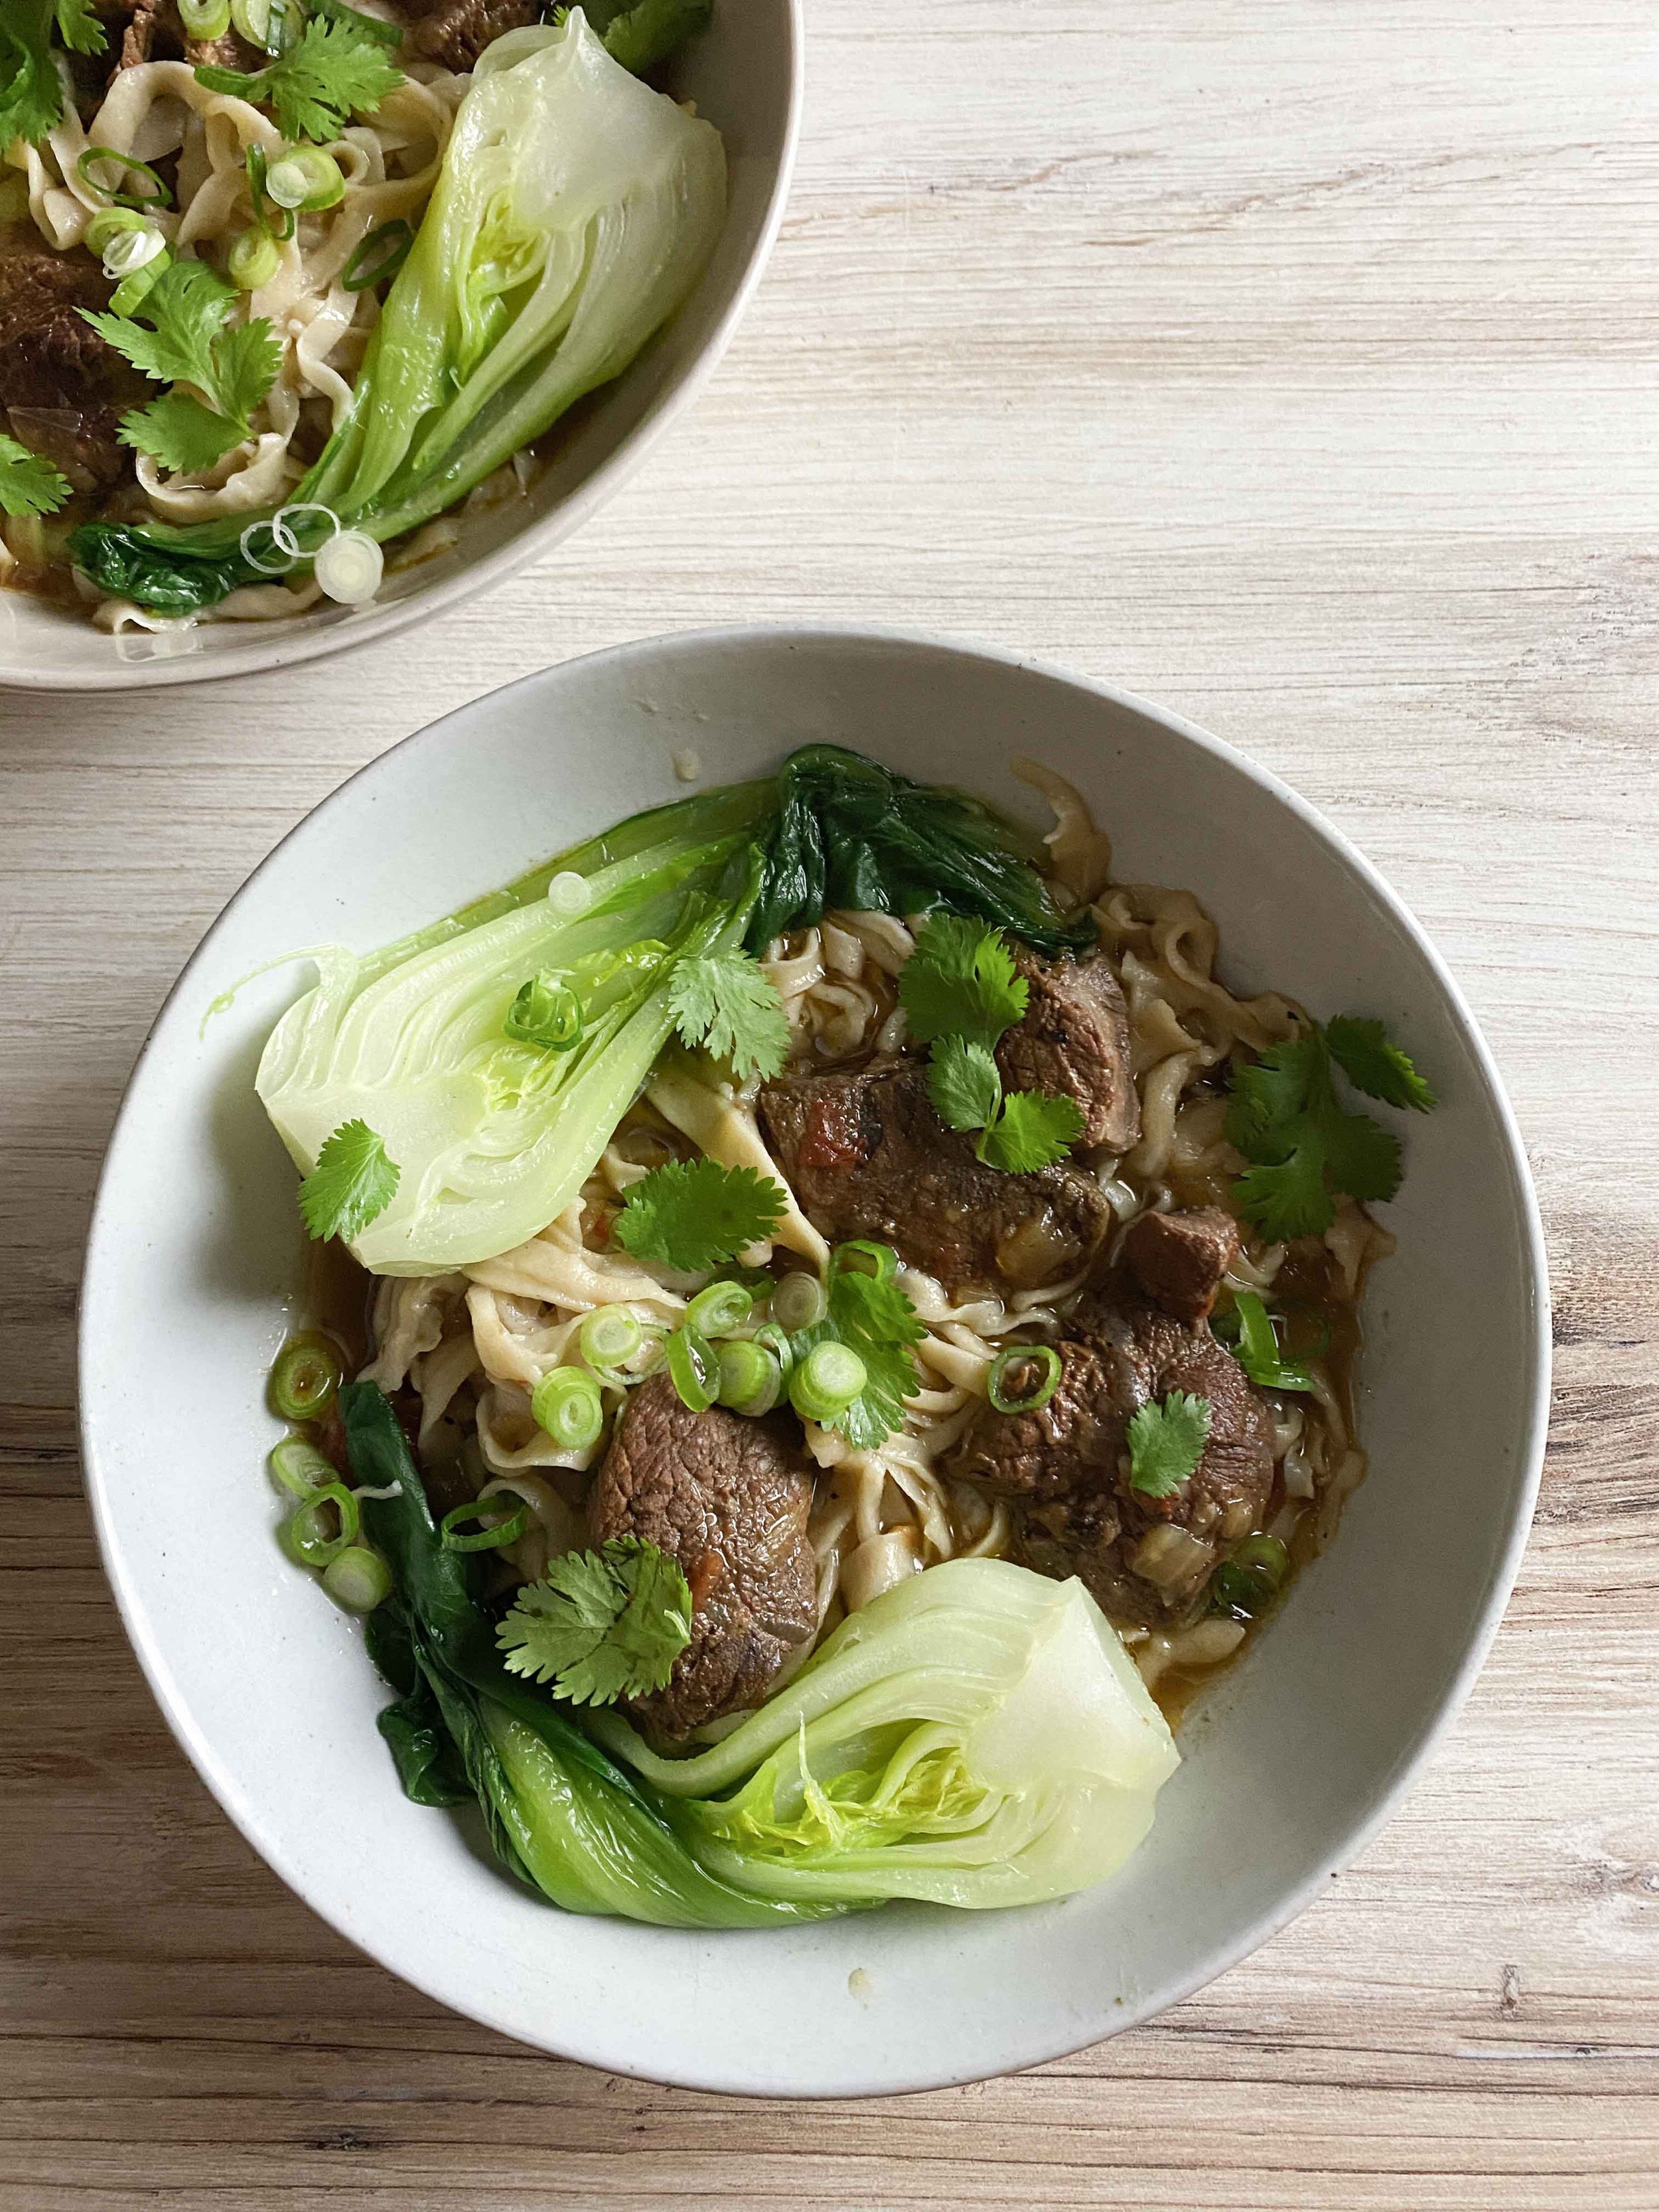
1295	364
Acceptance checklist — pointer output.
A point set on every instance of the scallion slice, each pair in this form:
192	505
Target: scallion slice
204	19
306	180
721	1308
780	1344
1245	1585
693	1368
867	1258
158	196
300	1468
358	1579
381	254
752	1381
800	1301
826	1383
489	1538
1258	1351
350	568
304	1378
305	1533
567	1405
610	1337
1023	1377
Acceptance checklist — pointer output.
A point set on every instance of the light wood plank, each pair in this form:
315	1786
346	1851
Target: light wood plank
1292	364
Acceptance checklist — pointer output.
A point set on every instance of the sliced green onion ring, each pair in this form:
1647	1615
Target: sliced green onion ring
751	1380
780	1344
350	568
1017	1361
565	1404
258	172
358	1579
258	556
609	1338
204	19
304	1533
1245	1585
304	1377
381	254
307	179
129	164
253	259
110	223
300	1468
1258	1351
132	291
284	536
826	1383
863	1257
693	1368
719	1309
490	1539
800	1301
132	249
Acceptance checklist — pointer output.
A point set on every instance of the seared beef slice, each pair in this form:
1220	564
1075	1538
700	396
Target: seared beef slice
867	1156
1074	1042
1066	1466
456	31
728	1498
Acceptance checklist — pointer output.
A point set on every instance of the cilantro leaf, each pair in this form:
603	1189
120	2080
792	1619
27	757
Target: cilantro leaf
186	307
186	342
1362	1050
960	981
31	82
245	360
963	1083
1033	1130
1166	1442
331	72
877	1321
1305	1149
179	433
29	485
602	1625
727	1003
694	1214
352	1183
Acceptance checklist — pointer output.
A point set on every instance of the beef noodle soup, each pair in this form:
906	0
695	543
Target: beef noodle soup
1045	1269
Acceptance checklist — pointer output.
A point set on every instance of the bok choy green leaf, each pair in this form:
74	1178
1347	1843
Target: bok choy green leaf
574	210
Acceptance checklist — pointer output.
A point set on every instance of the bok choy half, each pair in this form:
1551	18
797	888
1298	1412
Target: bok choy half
574	210
492	1135
976	1736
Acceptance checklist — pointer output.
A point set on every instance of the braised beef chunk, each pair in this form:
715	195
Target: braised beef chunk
64	390
1066	1466
1074	1042
867	1156
456	31
1180	1259
728	1497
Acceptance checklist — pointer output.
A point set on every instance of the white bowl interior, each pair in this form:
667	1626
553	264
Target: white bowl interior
195	1254
744	73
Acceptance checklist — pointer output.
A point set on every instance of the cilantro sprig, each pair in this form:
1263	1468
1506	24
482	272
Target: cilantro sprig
1305	1148
1020	1130
29	485
601	1624
183	339
332	71
352	1183
1166	1441
871	1316
960	991
31	88
727	1003
695	1214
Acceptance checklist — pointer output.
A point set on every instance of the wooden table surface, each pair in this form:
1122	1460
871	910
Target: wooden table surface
1292	363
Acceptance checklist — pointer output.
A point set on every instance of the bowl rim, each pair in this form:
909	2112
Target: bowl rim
560	522
1501	1578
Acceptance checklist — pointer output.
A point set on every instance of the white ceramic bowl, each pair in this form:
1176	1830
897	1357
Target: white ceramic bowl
1293	1758
744	74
